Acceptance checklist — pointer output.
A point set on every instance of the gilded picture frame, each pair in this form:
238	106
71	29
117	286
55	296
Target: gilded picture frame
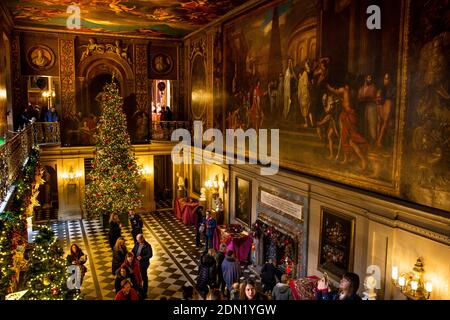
336	243
162	64
40	57
196	178
242	204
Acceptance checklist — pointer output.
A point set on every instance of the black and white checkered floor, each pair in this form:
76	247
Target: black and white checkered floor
173	265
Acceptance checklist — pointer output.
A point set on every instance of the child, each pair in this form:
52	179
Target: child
234	294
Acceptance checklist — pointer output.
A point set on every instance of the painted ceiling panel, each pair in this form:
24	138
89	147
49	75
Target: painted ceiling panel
165	18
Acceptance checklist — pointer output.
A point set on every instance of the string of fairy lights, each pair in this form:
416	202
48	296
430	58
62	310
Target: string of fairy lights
46	276
115	177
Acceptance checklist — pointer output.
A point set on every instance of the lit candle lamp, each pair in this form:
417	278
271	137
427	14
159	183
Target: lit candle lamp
414	285
401	281
428	287
394	273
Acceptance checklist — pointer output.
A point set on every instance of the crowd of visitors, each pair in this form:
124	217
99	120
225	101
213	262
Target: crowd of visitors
219	273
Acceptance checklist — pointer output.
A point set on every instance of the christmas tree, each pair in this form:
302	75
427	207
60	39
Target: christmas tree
115	174
47	274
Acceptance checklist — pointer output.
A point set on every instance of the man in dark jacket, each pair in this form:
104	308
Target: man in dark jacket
136	224
220	256
199	214
210	224
268	272
282	291
206	274
143	252
231	270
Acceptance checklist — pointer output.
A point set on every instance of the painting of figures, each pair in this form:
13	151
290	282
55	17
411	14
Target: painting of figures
313	70
427	144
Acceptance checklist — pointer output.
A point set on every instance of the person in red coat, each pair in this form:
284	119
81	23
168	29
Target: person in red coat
127	292
132	266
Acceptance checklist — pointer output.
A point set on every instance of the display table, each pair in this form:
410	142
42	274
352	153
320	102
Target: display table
240	243
185	211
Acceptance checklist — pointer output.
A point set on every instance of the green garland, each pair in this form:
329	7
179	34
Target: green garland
13	222
281	240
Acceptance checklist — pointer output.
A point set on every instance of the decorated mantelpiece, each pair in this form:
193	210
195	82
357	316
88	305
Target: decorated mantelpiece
279	246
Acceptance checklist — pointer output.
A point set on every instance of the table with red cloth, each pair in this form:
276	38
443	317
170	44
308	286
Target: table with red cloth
240	243
185	211
304	288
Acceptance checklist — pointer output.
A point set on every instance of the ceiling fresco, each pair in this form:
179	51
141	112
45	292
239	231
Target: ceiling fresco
159	18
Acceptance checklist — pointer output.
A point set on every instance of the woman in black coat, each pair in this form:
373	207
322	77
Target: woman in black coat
119	254
115	231
206	274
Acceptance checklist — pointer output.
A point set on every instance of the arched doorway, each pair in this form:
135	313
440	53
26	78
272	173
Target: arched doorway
95	88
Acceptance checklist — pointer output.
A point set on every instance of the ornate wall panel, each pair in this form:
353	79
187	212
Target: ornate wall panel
67	76
141	76
17	87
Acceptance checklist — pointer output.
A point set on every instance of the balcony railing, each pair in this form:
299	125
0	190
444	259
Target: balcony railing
13	156
17	148
47	132
162	130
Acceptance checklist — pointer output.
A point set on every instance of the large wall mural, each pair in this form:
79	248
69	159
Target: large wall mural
427	141
138	17
337	92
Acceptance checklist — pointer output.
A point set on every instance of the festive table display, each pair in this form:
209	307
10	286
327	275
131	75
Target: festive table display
185	211
235	239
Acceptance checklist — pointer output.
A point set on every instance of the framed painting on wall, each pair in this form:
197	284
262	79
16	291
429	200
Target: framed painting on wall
336	243
196	179
243	201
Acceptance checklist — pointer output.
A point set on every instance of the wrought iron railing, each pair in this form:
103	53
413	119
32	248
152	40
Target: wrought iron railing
13	155
162	130
47	132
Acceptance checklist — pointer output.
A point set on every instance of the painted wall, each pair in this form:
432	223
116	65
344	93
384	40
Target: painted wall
386	233
279	66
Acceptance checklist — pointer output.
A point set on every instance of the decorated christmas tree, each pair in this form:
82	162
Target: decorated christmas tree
47	274
115	176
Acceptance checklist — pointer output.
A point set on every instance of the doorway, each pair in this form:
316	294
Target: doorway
48	197
163	175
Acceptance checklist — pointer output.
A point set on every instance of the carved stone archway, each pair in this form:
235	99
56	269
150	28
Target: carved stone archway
107	63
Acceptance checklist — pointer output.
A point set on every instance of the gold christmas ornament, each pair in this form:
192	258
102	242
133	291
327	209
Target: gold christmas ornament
46	281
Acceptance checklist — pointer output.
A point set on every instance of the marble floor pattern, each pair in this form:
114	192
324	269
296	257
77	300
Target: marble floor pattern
174	262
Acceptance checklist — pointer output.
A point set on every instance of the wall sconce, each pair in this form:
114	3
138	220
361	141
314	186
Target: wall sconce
411	284
71	176
146	171
214	185
48	94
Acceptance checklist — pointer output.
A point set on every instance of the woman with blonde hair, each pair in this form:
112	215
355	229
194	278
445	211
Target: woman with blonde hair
119	253
115	231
